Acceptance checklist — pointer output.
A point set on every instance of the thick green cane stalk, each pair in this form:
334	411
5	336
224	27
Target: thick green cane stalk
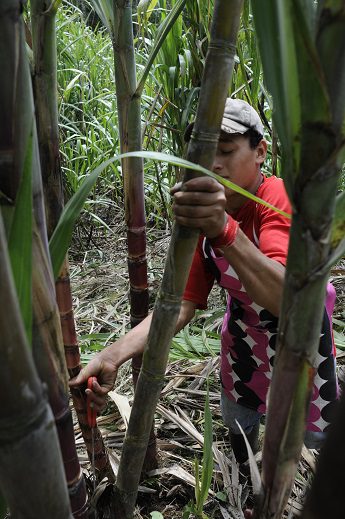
217	74
14	131
128	107
117	17
312	186
43	15
31	471
50	361
45	91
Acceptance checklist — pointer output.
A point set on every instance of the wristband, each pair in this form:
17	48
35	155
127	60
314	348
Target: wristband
228	235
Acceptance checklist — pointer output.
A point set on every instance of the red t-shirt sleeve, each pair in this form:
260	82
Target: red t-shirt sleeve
200	280
274	228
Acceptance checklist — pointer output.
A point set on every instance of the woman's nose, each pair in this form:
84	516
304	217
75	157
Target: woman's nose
217	165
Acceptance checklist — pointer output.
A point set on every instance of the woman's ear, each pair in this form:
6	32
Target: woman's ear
261	151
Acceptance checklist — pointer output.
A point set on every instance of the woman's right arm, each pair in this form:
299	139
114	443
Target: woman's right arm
106	363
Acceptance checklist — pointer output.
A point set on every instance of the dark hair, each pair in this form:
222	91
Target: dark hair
252	135
254	138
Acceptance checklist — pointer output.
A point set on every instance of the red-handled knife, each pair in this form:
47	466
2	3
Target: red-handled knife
91	413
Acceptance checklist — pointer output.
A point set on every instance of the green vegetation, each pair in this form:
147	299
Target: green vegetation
203	477
87	105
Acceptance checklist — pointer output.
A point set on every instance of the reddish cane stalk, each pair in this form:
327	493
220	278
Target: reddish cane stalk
50	363
45	86
129	116
72	354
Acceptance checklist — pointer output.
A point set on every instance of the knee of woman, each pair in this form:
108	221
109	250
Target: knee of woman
232	412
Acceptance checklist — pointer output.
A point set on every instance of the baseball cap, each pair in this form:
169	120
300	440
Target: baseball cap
238	117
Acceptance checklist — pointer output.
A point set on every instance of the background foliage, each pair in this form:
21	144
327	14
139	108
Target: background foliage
87	108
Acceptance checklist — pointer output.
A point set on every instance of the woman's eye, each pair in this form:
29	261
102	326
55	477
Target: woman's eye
226	152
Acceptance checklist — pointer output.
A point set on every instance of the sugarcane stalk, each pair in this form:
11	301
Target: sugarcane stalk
312	187
117	17
43	15
13	132
129	120
202	149
96	448
31	472
50	361
51	364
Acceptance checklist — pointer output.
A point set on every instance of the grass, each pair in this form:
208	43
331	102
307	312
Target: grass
87	101
86	112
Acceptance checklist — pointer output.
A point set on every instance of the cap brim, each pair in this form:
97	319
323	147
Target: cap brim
227	126
230	126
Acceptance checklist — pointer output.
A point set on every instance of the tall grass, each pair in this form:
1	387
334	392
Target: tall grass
86	110
87	107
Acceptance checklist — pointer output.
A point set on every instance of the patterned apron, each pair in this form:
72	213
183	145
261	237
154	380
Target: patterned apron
248	342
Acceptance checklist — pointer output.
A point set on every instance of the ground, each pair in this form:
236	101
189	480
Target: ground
100	288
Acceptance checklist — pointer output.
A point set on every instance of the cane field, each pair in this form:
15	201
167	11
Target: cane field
100	115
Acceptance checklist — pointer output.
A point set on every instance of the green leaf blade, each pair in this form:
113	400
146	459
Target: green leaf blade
61	237
161	35
60	240
274	26
20	242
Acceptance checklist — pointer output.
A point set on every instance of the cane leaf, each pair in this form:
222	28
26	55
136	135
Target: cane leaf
20	242
197	481
61	237
176	161
254	471
275	33
105	11
59	242
161	35
144	9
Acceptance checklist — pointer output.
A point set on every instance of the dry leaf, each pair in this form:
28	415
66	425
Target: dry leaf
122	403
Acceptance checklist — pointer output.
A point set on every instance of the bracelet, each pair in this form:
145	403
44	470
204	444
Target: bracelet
228	235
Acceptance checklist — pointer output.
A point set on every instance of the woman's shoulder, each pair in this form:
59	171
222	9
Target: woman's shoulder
272	190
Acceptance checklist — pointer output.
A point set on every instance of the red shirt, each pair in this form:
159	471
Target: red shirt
249	331
264	227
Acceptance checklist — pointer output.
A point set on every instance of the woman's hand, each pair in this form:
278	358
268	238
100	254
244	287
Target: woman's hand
105	369
200	203
105	364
